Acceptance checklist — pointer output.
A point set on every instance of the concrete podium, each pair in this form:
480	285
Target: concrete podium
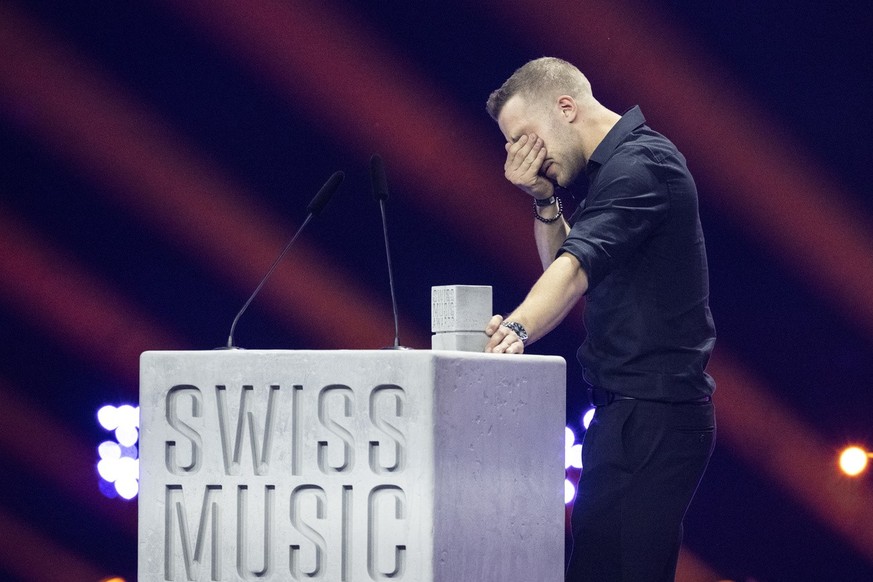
351	466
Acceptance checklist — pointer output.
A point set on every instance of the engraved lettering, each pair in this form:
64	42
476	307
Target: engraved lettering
345	522
243	525
314	499
232	452
380	528
346	398
296	438
173	411
381	399
176	514
345	567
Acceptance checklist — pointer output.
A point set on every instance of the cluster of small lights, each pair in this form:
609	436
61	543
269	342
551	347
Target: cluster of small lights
119	459
573	456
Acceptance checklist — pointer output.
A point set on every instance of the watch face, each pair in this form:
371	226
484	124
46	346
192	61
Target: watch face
517	328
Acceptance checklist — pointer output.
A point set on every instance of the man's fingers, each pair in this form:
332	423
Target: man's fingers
515	156
516	347
504	341
520	149
497	337
493	324
536	148
524	159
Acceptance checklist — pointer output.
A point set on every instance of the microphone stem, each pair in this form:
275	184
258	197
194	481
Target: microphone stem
264	280
390	275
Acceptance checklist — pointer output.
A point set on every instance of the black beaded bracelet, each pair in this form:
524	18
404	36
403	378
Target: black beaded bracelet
548	220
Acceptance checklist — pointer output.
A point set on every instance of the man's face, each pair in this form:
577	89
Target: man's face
518	117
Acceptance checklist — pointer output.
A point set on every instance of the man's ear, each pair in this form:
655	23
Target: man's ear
568	108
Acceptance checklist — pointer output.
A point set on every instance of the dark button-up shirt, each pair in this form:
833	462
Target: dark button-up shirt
638	238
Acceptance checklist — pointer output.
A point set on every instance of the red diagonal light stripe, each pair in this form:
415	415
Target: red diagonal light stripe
37	558
370	98
692	569
764	178
769	436
153	174
50	289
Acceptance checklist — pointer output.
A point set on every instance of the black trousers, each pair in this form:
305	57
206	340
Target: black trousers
641	464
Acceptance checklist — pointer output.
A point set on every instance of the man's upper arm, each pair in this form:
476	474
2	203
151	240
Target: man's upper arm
626	203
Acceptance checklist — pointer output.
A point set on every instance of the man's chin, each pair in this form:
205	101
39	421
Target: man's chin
556	182
565	182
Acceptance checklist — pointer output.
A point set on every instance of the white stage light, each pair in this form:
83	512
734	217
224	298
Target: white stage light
118	463
587	417
569	492
107	416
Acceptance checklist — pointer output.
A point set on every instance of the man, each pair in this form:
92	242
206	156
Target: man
635	249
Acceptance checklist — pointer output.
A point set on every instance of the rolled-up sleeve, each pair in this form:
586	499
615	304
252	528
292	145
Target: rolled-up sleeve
626	202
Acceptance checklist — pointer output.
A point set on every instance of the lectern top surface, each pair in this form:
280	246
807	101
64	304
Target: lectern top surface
384	353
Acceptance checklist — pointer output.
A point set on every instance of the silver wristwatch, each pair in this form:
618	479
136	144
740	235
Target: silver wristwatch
517	329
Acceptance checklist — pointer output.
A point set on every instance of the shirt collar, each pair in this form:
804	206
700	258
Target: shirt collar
630	121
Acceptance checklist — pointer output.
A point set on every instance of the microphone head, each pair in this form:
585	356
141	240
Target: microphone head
377	178
320	200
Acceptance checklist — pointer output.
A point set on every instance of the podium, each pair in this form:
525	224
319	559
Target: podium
351	466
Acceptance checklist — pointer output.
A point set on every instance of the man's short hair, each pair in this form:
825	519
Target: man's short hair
543	77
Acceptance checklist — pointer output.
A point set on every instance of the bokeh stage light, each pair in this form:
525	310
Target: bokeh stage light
572	464
587	417
854	460
118	464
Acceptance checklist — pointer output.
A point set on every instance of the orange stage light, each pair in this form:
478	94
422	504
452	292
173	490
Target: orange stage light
853	460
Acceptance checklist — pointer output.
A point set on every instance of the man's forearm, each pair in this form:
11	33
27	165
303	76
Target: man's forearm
552	297
549	236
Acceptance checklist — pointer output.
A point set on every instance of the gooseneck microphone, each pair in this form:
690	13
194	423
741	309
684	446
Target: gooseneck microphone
314	209
380	193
